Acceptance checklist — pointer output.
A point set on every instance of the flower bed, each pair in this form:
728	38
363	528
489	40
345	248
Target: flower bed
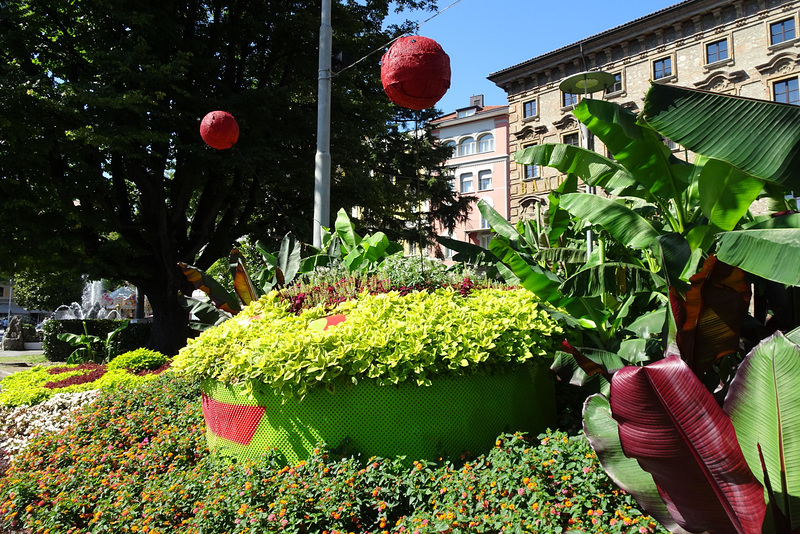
413	372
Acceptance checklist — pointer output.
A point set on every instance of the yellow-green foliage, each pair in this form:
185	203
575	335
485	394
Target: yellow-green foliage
27	387
386	337
138	360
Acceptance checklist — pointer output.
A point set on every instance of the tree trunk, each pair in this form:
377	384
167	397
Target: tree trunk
170	319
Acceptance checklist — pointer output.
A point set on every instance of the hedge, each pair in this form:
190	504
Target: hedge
131	338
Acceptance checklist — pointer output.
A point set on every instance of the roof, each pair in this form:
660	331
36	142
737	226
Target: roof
482	111
593	37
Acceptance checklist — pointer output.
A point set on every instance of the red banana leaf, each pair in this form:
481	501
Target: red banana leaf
242	283
709	321
219	296
673	426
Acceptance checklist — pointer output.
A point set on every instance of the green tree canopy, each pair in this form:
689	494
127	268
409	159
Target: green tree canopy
101	162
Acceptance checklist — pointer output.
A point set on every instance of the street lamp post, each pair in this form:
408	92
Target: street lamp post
587	82
322	160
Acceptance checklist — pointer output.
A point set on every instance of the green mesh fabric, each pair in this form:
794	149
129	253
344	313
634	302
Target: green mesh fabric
452	416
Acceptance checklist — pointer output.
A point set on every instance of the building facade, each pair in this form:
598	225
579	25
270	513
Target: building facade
478	136
749	48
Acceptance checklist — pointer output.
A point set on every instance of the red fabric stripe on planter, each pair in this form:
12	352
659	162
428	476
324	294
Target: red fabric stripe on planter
231	421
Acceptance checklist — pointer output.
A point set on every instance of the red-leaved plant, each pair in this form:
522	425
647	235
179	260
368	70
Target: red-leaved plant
692	464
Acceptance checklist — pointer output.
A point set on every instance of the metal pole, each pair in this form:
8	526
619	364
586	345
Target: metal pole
322	161
587	142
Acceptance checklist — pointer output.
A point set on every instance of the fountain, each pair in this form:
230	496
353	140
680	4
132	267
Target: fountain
92	305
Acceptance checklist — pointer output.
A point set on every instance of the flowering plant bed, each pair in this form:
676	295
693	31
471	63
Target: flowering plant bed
424	373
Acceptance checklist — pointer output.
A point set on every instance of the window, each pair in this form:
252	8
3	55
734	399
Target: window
2	291
484	240
781	31
466	183
672	145
572	139
662	68
484	180
484	223
717	51
617	87
787	91
452	146
486	143
467	147
531	172
465	113
529	109
568	99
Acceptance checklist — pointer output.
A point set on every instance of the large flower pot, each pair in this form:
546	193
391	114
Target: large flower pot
456	414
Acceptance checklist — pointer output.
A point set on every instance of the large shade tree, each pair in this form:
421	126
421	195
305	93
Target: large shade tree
101	162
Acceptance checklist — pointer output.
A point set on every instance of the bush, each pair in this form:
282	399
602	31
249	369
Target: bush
138	463
388	337
138	360
134	336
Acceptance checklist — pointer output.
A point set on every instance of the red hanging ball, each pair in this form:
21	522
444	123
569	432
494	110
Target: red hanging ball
415	72
219	130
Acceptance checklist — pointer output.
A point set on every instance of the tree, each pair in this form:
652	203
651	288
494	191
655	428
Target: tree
102	164
35	290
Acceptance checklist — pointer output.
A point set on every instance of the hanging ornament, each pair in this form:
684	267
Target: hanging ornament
415	72
219	130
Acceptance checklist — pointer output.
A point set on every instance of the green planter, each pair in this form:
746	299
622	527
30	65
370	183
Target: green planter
456	414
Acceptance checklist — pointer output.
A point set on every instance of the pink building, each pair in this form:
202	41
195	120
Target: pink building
480	163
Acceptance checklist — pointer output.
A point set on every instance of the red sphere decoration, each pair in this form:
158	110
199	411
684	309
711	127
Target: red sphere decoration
219	130
415	72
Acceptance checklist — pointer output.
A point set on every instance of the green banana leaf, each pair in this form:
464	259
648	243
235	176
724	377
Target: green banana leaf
532	277
499	224
591	167
673	253
288	258
615	278
602	432
763	252
346	232
560	219
624	224
637	149
759	137
763	403
726	193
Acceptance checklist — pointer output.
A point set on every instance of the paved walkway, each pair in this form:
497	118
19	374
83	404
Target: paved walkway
13	361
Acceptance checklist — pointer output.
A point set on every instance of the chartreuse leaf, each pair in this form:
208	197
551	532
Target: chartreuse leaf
674	428
759	137
602	432
624	224
764	404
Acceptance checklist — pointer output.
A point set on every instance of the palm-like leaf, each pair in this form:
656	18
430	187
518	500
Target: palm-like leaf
763	252
615	278
673	253
763	402
726	193
765	145
673	426
624	224
219	296
603	434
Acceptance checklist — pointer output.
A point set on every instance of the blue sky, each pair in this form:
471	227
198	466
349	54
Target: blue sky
485	36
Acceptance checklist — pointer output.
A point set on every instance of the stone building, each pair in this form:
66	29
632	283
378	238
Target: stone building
748	48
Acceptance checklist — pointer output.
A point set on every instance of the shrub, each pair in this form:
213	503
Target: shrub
138	463
388	337
40	383
138	360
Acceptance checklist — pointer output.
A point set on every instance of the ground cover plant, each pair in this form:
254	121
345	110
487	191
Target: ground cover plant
138	463
40	383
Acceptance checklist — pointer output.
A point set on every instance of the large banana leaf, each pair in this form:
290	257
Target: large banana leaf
673	253
243	285
346	232
220	296
638	149
759	137
602	432
764	404
726	193
560	219
499	224
769	253
624	224
532	277
588	165
709	324
615	278
672	425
